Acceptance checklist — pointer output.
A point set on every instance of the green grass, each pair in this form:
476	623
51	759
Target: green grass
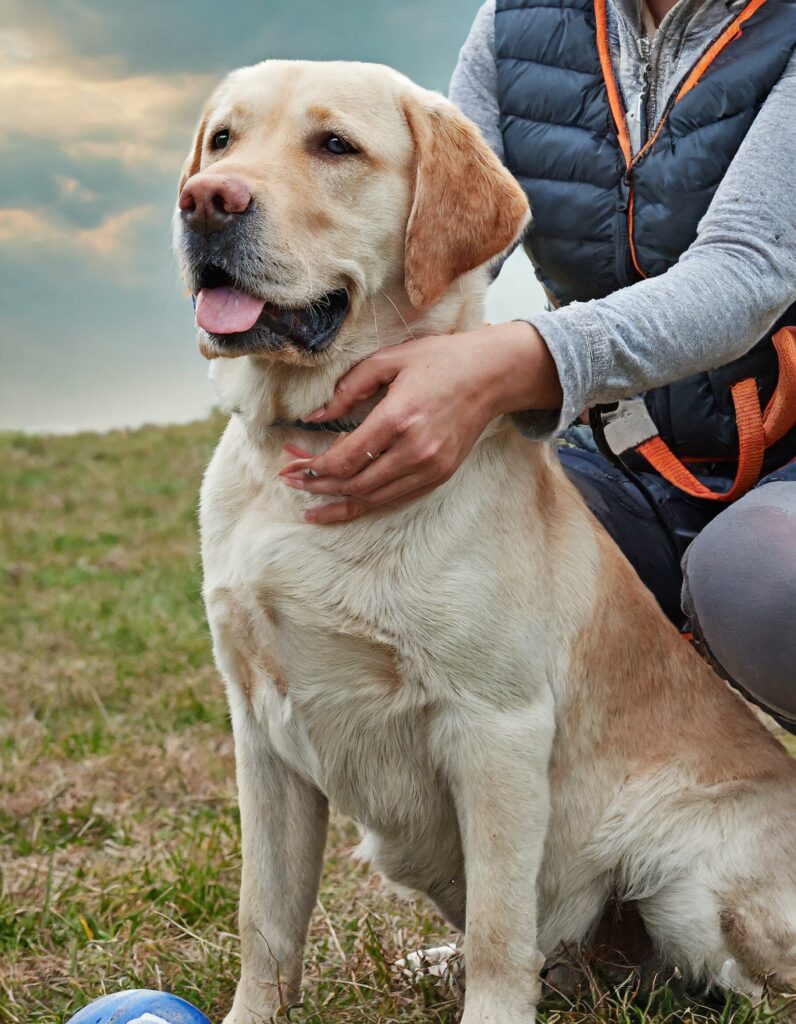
119	851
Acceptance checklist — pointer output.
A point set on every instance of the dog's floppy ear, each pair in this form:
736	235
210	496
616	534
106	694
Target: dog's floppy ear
191	165
467	207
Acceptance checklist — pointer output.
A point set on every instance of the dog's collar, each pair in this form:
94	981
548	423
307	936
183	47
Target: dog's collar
330	426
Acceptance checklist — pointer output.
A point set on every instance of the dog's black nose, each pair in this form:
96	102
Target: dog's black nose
209	202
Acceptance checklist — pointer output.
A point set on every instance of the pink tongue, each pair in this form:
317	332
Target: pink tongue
225	310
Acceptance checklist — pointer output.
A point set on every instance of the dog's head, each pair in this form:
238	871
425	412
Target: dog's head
312	188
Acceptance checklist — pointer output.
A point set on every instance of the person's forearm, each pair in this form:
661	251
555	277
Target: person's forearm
473	86
710	308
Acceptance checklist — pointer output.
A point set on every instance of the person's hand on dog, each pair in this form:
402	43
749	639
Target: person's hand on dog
442	391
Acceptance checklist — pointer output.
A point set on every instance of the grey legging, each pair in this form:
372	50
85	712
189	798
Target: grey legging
739	590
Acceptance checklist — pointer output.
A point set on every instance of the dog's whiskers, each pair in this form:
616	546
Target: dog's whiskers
375	322
400	314
309	272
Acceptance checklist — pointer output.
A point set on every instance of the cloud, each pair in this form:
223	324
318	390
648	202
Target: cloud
72	188
92	157
420	37
112	235
15	46
23	226
143	121
110	240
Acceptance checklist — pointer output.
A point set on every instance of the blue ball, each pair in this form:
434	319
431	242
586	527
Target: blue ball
141	1006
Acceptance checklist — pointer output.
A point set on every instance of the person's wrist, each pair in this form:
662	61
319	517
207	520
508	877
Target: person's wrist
526	375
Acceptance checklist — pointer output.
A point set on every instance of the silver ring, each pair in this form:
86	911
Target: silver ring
310	472
371	456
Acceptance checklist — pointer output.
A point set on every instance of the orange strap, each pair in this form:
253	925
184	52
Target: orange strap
756	430
751	448
780	413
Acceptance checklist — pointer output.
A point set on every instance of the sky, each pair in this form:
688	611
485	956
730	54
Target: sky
99	100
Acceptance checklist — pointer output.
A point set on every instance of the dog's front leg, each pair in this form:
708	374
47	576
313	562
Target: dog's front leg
498	764
283	824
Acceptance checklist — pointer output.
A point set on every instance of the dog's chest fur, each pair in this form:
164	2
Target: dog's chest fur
348	643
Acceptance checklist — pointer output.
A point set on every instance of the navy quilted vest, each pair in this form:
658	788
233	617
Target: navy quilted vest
563	145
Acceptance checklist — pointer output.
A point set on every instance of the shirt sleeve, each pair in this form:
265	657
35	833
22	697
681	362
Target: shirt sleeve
735	280
473	86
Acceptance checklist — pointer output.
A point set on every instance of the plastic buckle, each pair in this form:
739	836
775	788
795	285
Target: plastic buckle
627	425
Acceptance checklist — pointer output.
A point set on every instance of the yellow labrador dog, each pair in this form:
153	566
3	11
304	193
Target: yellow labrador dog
477	678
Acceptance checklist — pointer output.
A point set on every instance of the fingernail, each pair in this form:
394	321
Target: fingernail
310	517
294	481
294	467
317	415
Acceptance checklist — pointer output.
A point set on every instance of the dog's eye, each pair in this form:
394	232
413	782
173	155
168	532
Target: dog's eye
220	139
338	146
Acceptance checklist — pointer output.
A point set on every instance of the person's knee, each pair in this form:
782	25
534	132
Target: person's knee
740	592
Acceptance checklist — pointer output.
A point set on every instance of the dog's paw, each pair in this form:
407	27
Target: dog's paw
512	1002
254	1013
497	1014
254	1017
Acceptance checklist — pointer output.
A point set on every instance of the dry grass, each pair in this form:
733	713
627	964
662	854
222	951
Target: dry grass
118	822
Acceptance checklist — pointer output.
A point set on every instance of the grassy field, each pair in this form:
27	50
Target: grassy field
119	852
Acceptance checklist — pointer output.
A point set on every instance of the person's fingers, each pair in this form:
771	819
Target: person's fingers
399	492
337	512
360	383
354	451
391	466
301	459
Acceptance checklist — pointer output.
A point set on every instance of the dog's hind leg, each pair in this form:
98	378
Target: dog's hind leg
283	824
743	943
759	924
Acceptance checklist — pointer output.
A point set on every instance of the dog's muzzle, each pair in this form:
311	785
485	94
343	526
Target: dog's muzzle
228	276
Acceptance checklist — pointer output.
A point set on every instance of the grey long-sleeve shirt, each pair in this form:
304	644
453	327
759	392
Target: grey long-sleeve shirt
733	282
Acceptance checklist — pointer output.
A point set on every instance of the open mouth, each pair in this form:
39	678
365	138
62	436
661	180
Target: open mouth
241	322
